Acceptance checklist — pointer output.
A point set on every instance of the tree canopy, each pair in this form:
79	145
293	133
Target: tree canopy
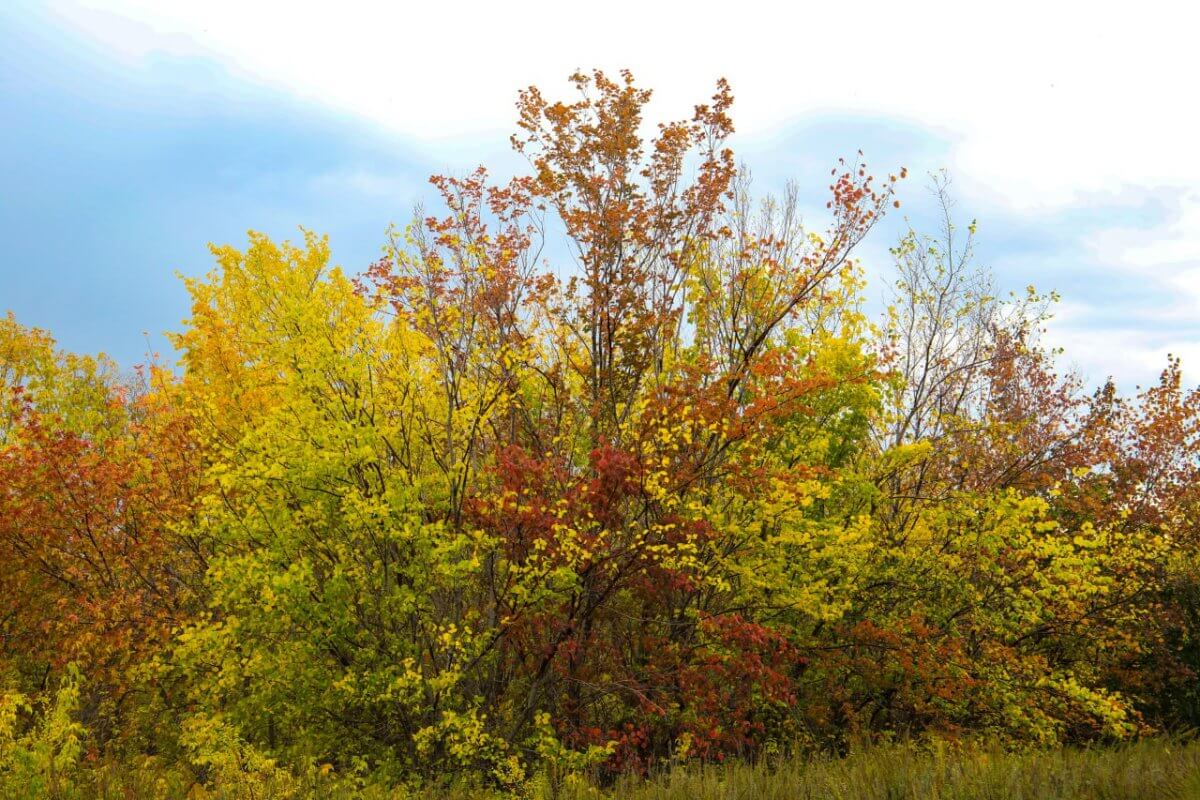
672	495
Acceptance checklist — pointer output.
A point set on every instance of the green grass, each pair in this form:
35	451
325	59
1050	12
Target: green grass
1155	769
1147	770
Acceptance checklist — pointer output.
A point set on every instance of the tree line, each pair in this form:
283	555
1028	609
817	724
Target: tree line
674	494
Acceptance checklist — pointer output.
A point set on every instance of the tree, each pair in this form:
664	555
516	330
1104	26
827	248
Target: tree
477	511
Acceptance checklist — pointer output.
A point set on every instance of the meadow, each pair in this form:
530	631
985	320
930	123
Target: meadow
1153	769
1148	769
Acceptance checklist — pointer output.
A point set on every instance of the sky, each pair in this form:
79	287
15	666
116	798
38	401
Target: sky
133	133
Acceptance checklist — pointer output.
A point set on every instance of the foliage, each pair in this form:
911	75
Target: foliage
475	518
40	761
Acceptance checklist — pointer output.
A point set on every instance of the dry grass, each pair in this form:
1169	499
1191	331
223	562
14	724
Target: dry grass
1156	769
1148	770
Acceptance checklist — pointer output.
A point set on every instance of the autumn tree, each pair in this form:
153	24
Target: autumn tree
99	476
597	468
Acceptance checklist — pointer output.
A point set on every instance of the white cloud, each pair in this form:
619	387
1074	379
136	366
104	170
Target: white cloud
1131	356
1052	98
1177	241
1048	105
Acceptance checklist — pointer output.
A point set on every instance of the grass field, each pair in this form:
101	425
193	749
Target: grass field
1148	770
1155	769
